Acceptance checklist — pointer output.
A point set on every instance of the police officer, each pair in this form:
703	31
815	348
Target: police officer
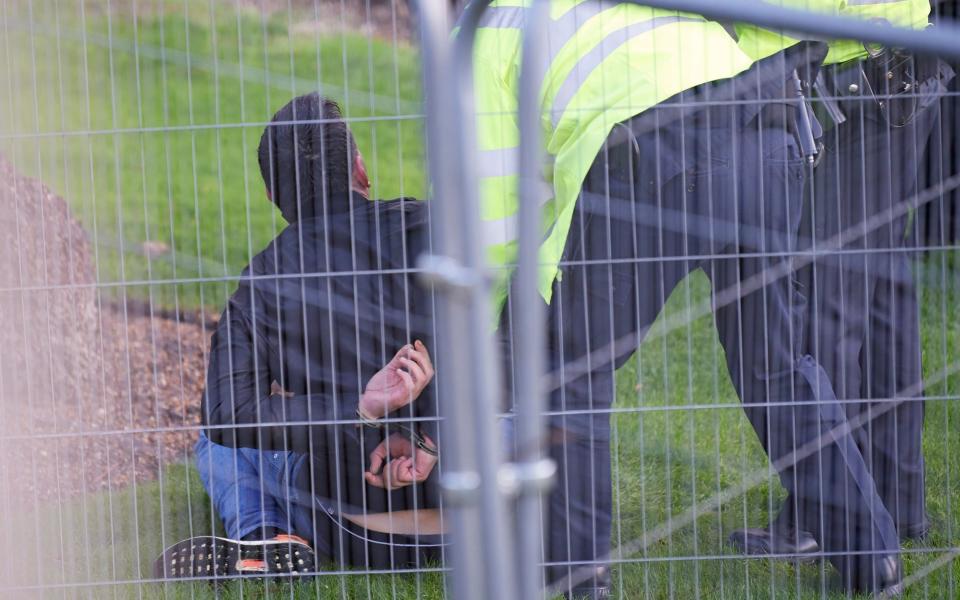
655	171
863	326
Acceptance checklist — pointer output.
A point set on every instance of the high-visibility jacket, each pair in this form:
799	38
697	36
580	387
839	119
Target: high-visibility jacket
903	13
607	62
759	43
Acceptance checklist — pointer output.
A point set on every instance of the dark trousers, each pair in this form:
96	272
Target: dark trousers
721	194
864	324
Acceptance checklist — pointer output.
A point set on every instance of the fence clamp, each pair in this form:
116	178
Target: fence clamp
460	487
448	273
533	477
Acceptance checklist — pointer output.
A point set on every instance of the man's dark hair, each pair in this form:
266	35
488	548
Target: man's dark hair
306	154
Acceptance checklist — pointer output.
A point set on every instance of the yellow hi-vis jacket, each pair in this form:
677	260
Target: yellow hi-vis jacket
759	43
607	62
903	13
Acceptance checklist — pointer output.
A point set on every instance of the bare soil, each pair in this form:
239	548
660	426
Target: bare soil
93	395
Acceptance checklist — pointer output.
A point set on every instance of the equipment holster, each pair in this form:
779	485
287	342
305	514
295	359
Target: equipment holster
891	77
900	83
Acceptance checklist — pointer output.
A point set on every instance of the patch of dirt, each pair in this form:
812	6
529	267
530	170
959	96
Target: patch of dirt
93	395
383	18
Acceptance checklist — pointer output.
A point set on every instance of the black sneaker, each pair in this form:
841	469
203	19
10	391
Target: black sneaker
210	557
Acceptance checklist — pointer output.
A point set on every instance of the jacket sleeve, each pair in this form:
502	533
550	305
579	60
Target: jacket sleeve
239	409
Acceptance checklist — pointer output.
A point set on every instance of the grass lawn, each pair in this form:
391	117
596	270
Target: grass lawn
162	117
667	464
150	126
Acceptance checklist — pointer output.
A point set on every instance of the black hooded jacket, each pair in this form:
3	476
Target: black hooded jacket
320	310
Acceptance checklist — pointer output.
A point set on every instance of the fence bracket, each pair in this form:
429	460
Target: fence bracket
447	273
519	478
460	487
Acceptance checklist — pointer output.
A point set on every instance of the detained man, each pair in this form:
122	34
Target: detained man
325	336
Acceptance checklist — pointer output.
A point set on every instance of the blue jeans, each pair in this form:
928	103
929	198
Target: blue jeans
252	489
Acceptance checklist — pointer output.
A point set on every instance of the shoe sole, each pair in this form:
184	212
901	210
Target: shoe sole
211	557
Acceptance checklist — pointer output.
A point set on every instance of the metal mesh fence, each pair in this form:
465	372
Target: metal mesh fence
558	298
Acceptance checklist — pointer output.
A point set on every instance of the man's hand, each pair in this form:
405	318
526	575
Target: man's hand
397	463
399	383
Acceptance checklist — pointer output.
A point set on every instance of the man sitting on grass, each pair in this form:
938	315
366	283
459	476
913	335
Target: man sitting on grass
296	382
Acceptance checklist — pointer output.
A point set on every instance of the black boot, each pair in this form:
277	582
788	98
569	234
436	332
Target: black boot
595	588
780	537
882	576
916	532
789	544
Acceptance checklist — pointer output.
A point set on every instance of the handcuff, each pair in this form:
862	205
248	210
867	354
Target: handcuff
418	440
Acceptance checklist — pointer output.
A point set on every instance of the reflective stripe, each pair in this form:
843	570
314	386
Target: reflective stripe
505	229
513	17
500	231
561	30
498	163
545	194
503	162
503	17
595	57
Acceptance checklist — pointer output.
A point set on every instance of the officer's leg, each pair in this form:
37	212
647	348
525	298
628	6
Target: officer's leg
579	334
839	286
595	317
837	315
891	358
896	382
803	428
866	166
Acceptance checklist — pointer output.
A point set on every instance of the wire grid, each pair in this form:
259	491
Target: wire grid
145	116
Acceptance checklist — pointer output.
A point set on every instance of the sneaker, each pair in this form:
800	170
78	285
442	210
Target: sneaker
211	557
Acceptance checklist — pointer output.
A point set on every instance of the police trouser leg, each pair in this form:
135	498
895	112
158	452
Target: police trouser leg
892	358
864	325
787	396
589	332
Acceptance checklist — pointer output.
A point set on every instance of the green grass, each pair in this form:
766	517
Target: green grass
198	190
162	126
667	463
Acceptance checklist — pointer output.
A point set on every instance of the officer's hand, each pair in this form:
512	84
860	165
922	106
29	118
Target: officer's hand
399	383
397	463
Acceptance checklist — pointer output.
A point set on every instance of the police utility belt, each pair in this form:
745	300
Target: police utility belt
889	78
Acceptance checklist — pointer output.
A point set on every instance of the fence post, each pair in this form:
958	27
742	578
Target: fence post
533	473
467	374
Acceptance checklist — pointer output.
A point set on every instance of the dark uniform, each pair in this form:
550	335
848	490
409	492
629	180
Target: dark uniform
720	190
864	324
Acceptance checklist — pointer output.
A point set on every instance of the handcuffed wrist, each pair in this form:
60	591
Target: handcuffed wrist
366	419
